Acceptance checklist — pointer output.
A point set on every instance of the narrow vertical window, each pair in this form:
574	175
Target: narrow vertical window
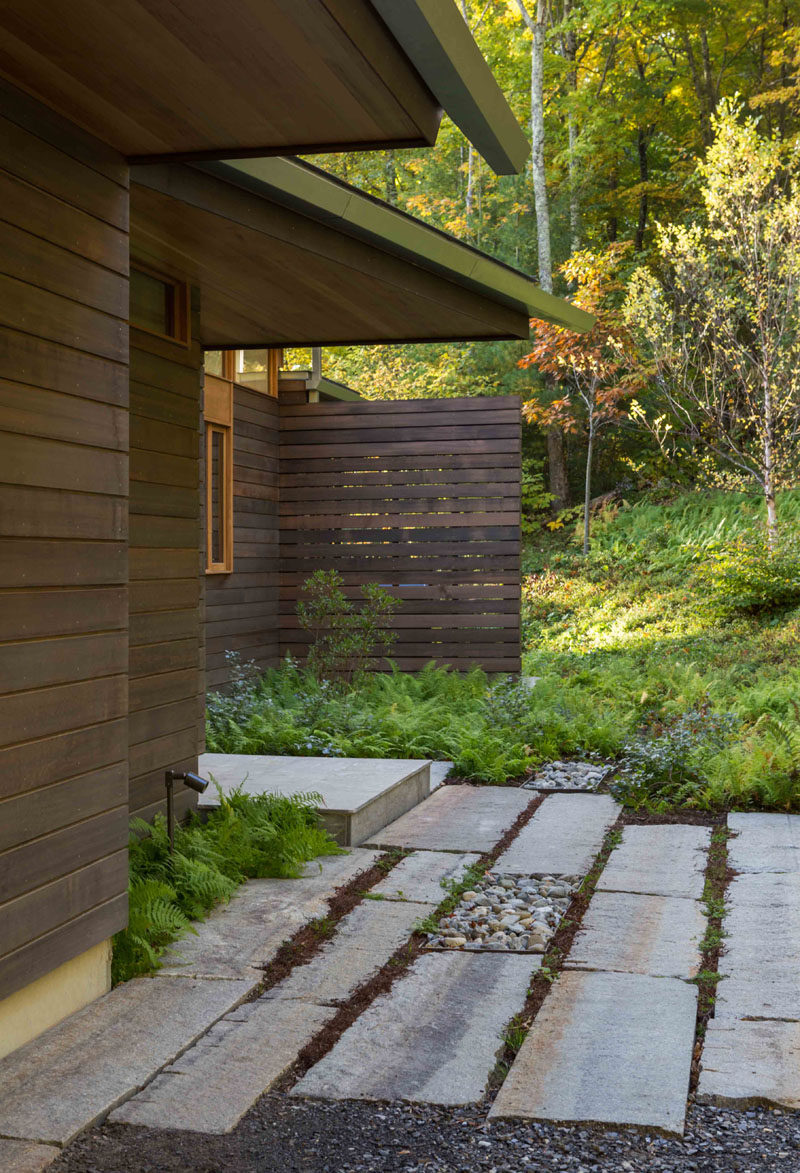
219	475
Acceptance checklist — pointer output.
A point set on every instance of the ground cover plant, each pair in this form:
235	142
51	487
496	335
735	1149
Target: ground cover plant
263	835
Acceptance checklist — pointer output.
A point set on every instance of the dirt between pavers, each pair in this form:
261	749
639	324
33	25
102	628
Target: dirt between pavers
280	1135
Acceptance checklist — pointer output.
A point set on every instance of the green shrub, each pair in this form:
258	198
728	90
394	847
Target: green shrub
346	639
263	835
745	575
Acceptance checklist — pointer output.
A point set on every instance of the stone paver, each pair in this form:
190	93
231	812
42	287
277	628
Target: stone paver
364	941
658	861
613	1048
630	933
434	1037
419	876
457	818
748	1063
78	1071
215	1082
562	838
240	937
19	1156
764	843
439	772
761	958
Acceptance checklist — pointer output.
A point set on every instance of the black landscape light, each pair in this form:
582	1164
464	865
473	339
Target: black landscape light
194	782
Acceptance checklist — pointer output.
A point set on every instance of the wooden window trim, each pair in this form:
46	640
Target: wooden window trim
218	415
181	308
273	373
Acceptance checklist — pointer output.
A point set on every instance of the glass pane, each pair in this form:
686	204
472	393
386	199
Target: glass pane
214	363
151	303
217	496
252	360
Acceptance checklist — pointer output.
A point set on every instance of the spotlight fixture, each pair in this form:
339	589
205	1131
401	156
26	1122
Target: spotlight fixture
194	782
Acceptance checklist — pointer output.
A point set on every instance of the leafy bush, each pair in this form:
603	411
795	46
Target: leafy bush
346	640
264	835
746	576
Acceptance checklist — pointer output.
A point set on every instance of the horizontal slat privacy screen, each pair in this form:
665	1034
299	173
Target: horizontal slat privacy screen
421	496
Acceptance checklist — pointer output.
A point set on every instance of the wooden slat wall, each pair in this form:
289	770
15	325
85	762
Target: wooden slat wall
422	496
166	629
242	607
63	535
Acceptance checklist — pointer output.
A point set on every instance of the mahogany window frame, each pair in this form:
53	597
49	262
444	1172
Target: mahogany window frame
218	417
178	307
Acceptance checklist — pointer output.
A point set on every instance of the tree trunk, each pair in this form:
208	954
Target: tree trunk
641	144
570	51
390	178
769	472
537	149
557	466
587	492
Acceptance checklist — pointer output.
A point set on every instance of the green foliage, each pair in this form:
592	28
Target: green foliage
264	835
347	640
745	575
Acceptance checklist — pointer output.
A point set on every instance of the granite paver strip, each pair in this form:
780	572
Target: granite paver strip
562	838
20	1156
746	1063
433	1038
240	937
215	1082
761	958
630	933
764	843
419	876
659	860
76	1072
457	818
611	1048
364	941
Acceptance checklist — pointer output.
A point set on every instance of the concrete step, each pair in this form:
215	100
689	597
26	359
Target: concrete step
359	795
457	818
433	1038
764	843
239	938
363	942
624	932
419	876
608	1048
562	838
19	1156
658	861
750	1063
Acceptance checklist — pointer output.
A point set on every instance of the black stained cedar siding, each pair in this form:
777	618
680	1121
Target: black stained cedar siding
63	538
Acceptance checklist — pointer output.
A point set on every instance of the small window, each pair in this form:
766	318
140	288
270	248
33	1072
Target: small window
219	477
159	305
219	363
258	370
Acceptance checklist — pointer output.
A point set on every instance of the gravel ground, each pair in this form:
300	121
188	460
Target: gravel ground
283	1136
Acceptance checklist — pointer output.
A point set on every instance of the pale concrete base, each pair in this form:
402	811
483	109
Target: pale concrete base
457	818
359	795
18	1156
628	933
562	838
32	1010
433	1038
211	1087
748	1063
658	861
764	843
421	876
610	1048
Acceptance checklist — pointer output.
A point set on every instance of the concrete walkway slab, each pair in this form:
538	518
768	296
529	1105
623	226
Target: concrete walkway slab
19	1156
76	1072
241	937
764	843
363	942
214	1083
419	876
761	958
611	1048
359	795
627	933
433	1038
747	1063
659	860
562	838
457	818
439	772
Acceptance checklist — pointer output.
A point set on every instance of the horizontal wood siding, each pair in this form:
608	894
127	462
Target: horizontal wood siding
421	496
242	607
63	542
166	655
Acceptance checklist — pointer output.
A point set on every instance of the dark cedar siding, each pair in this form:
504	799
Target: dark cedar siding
166	655
63	535
242	607
422	496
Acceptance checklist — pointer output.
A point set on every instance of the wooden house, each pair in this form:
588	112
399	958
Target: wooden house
128	248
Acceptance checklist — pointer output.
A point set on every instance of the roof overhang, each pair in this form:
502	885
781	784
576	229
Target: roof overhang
287	256
157	79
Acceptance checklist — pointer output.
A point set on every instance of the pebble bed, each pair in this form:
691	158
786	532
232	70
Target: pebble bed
516	914
569	776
